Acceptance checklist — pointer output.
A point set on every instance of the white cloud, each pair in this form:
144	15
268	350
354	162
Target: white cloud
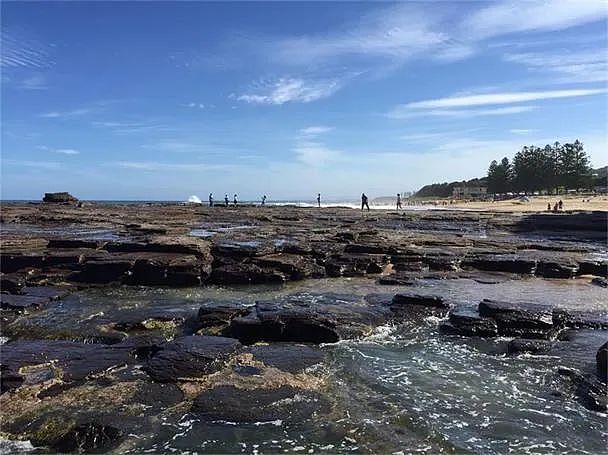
66	114
163	167
131	127
405	112
500	98
286	90
67	151
48	165
516	16
21	52
315	130
36	82
315	154
571	66
522	131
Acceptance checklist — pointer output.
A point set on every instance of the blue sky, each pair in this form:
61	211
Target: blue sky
119	100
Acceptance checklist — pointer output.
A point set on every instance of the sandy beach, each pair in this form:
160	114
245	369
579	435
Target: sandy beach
539	204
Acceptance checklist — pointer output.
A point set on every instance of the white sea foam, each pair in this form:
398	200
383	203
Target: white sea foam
194	199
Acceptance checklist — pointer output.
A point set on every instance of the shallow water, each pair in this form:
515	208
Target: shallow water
405	388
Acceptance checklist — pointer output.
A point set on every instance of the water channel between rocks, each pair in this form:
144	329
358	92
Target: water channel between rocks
401	387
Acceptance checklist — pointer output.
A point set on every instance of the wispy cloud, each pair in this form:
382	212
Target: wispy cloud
19	51
66	114
522	130
67	151
35	82
289	90
196	105
48	165
512	16
405	112
315	154
131	127
315	130
572	66
500	98
153	166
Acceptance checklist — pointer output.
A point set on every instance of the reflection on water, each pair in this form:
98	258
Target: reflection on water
405	388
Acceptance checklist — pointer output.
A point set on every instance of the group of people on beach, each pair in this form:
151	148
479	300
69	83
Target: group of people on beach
557	207
235	200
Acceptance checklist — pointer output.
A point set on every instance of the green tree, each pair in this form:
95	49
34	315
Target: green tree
574	169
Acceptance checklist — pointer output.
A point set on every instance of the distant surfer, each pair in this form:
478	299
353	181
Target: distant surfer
364	201
319	199
210	199
399	201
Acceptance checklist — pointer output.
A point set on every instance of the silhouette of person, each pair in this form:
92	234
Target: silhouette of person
235	200
210	199
263	199
364	201
560	204
319	199
555	207
399	201
548	206
226	200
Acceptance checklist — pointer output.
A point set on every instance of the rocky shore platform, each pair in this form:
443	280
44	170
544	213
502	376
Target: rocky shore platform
87	367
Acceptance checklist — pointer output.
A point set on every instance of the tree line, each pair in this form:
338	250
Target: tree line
550	168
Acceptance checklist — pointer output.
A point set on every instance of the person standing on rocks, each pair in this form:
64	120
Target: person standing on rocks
264	200
364	201
236	201
319	199
210	199
399	201
226	200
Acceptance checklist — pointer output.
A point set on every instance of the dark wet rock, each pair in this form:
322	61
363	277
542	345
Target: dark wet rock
156	269
366	249
10	263
602	362
526	320
22	303
308	318
293	358
9	379
597	268
241	272
442	262
350	265
522	345
75	243
294	267
242	249
502	263
88	438
286	403
190	357
603	282
102	271
590	391
415	305
12	283
469	323
557	269
67	360
59	198
215	318
580	319
247	370
397	279
49	292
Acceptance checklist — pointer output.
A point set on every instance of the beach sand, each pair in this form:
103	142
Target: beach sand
538	204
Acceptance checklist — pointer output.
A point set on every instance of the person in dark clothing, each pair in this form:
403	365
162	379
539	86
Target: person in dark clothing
364	201
555	207
548	206
319	199
399	201
235	200
560	204
226	200
264	200
210	199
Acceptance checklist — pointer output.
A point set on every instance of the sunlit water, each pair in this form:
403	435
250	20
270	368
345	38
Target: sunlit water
405	388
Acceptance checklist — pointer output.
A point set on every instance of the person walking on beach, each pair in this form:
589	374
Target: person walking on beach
264	200
548	206
319	199
226	200
560	204
399	201
364	201
235	200
210	199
